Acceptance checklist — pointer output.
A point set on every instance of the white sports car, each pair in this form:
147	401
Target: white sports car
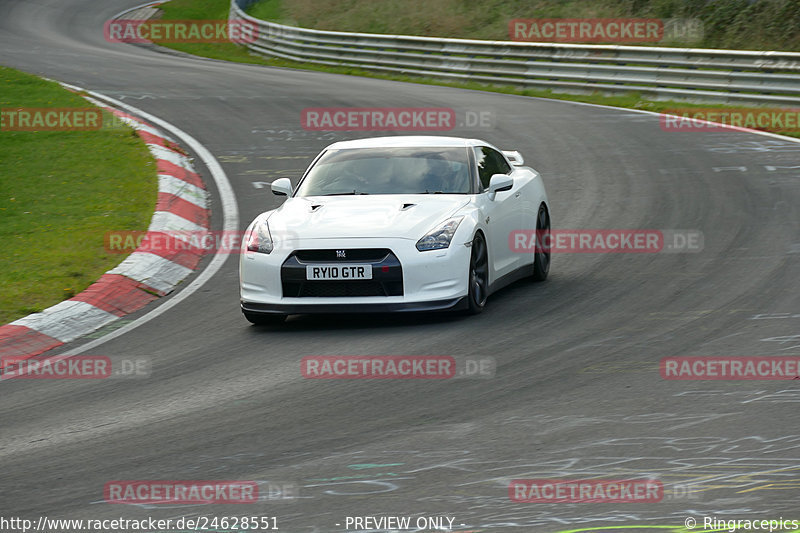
407	223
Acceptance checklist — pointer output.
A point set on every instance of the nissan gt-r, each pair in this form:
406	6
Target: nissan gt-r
404	223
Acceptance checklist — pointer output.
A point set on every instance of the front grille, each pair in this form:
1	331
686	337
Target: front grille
341	289
387	274
361	255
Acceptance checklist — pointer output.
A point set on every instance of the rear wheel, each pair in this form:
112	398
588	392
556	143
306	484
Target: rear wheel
478	275
541	257
262	319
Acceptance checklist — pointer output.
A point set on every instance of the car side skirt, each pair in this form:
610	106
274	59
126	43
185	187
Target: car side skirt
507	279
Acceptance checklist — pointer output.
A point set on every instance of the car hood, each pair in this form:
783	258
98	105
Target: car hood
382	216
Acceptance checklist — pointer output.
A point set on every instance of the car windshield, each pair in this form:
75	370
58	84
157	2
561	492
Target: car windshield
416	170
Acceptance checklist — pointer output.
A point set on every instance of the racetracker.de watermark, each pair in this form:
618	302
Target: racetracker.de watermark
51	119
730	368
711	119
167	491
586	490
59	119
378	119
171	242
605	30
201	242
606	241
586	30
73	367
396	367
180	31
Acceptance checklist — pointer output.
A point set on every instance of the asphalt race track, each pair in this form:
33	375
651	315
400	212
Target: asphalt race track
577	391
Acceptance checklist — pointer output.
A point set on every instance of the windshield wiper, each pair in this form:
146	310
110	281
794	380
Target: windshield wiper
345	193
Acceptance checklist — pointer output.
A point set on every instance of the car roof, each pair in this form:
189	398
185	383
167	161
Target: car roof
409	141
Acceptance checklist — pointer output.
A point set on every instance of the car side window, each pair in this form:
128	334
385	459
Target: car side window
490	162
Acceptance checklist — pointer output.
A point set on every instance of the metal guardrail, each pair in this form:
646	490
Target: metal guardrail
730	76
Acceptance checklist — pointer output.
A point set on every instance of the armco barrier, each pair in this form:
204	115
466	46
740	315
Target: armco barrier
731	76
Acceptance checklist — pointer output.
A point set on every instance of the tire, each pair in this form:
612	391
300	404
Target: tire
262	319
478	275
541	258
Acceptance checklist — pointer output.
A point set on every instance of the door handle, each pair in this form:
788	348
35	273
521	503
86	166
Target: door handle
516	195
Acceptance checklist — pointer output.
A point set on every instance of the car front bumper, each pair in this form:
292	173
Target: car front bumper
431	281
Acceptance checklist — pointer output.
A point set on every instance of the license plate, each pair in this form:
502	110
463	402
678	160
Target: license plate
346	272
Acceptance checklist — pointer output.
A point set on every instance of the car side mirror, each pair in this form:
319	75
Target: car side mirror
499	183
282	187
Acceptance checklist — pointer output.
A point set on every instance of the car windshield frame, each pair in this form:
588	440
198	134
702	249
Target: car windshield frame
441	170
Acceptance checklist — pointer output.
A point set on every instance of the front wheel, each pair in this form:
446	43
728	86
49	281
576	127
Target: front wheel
541	257
478	275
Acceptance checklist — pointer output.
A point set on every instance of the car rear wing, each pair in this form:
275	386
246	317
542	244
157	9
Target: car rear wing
514	157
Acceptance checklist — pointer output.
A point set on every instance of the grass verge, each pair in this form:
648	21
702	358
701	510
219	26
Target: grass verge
207	10
60	192
737	24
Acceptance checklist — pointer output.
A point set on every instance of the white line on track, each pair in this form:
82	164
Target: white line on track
658	114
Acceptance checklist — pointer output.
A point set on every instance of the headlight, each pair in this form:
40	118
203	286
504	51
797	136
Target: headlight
440	237
260	239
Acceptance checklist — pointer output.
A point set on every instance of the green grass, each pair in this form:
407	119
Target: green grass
270	10
60	192
738	24
206	10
